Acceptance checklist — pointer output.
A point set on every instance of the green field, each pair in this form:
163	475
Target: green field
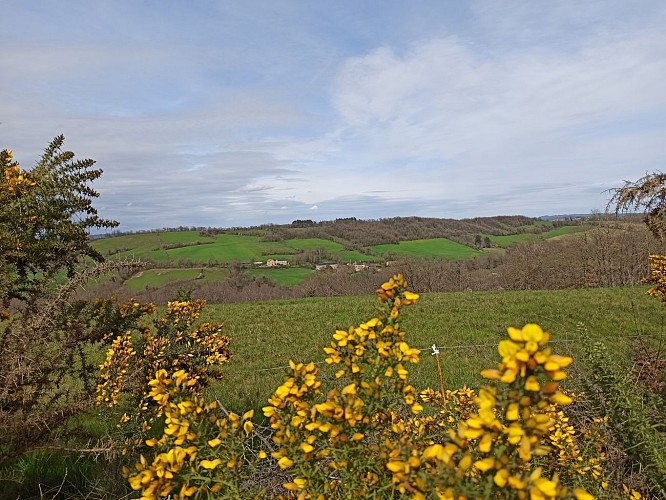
512	239
149	246
283	276
466	326
231	247
225	248
159	277
442	248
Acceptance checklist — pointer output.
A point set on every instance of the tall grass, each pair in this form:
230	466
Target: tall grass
465	326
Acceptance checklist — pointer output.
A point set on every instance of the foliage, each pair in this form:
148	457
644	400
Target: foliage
49	369
657	277
45	214
47	345
174	343
647	193
616	394
634	403
364	433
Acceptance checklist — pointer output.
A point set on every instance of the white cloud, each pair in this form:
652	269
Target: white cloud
257	113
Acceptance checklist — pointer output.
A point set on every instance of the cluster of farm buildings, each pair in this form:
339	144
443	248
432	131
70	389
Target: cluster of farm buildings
319	267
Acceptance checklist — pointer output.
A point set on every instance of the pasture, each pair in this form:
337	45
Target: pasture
287	276
156	278
186	252
513	239
466	327
442	248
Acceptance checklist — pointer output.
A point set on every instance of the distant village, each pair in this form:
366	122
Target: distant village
319	267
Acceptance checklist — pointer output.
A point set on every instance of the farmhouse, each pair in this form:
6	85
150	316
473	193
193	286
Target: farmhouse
276	262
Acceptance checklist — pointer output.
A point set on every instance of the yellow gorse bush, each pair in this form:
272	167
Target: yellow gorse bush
364	432
172	347
199	451
657	276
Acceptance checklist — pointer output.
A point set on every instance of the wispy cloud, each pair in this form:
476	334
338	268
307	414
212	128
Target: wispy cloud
220	113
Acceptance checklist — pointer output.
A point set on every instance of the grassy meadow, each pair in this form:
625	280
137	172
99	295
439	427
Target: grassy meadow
185	253
465	326
156	278
283	276
441	248
513	239
226	248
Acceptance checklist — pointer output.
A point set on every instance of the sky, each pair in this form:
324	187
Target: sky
237	113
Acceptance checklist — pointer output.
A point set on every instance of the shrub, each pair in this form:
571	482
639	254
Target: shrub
365	432
174	345
47	344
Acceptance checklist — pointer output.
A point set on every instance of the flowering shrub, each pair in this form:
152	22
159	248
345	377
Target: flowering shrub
365	434
199	451
657	276
173	345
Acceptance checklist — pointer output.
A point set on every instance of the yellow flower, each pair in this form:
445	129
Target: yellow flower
501	477
507	348
187	491
349	390
533	333
582	494
560	399
485	464
210	464
532	384
396	466
512	411
285	463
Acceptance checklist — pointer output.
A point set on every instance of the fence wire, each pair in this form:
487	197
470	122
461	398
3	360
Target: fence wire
434	347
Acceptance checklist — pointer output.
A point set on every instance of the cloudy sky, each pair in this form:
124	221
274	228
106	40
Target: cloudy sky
234	113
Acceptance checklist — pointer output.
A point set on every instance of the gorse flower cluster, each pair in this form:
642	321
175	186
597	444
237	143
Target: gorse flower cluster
367	432
172	345
657	276
324	436
200	452
13	180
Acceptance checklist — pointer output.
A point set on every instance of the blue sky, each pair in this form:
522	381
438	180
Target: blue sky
230	113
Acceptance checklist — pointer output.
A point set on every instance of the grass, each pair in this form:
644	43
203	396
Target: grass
159	277
148	246
432	248
225	248
314	244
283	276
563	231
466	327
229	247
512	239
